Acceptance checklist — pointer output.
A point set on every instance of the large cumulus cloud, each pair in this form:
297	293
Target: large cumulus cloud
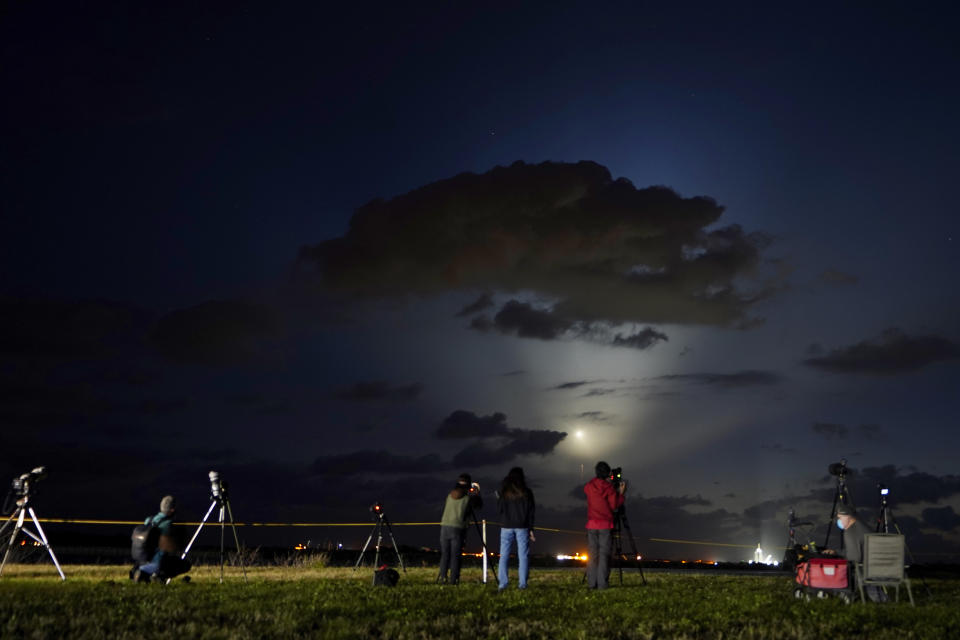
600	249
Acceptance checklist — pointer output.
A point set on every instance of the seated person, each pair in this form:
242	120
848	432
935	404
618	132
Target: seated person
166	562
853	532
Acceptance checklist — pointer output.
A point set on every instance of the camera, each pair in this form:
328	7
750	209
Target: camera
21	484
377	509
838	468
474	489
616	475
218	488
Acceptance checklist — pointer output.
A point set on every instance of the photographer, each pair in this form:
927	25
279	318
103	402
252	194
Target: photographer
603	499
165	562
461	502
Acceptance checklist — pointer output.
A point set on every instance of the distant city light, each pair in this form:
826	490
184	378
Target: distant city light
581	557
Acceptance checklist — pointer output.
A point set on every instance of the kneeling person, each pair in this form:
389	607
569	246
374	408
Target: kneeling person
164	560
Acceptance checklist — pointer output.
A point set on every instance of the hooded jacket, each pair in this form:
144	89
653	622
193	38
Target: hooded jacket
602	501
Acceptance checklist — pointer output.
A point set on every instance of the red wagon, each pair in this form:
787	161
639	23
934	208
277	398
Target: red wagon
822	577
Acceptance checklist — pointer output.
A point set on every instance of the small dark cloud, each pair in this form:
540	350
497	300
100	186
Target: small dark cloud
381	462
466	424
485	301
593	393
218	333
481	323
521	442
729	495
749	378
495	442
830	430
376	390
892	352
778	448
942	518
836	277
870	432
575	384
598	416
643	339
523	320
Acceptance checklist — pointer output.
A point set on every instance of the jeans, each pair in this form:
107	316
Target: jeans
451	545
598	558
507	536
166	566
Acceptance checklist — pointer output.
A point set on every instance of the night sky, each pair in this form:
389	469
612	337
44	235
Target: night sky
342	254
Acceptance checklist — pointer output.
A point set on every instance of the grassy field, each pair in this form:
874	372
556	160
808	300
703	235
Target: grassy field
305	602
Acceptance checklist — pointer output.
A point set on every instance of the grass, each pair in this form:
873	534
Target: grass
303	602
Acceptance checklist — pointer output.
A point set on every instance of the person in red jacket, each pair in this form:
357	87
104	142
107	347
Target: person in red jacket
603	500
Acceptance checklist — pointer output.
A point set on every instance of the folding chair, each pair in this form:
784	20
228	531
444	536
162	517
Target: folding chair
883	564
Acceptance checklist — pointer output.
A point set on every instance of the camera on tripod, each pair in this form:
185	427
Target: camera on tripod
616	476
377	509
838	469
21	484
474	489
218	488
884	491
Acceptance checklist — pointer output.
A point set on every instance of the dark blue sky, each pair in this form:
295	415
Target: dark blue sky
173	181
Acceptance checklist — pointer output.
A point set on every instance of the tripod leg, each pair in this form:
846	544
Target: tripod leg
394	542
43	540
483	544
222	531
236	541
633	546
10	520
197	532
364	550
376	555
13	538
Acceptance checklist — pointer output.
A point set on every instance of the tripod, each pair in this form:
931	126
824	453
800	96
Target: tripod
840	497
378	527
886	521
40	536
219	498
620	524
483	543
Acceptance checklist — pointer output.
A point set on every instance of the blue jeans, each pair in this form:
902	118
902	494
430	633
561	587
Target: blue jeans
507	536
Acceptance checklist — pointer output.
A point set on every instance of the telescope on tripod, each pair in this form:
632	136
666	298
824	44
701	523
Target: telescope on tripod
381	523
21	490
219	498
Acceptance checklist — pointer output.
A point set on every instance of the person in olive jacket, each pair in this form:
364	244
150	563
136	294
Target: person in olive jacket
463	500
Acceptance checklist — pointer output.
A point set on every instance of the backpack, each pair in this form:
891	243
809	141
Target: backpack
144	541
385	577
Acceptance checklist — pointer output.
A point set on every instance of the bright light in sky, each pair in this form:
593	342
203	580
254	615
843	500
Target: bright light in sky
579	434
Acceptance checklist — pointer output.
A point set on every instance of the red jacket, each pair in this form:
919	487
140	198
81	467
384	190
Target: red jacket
602	501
